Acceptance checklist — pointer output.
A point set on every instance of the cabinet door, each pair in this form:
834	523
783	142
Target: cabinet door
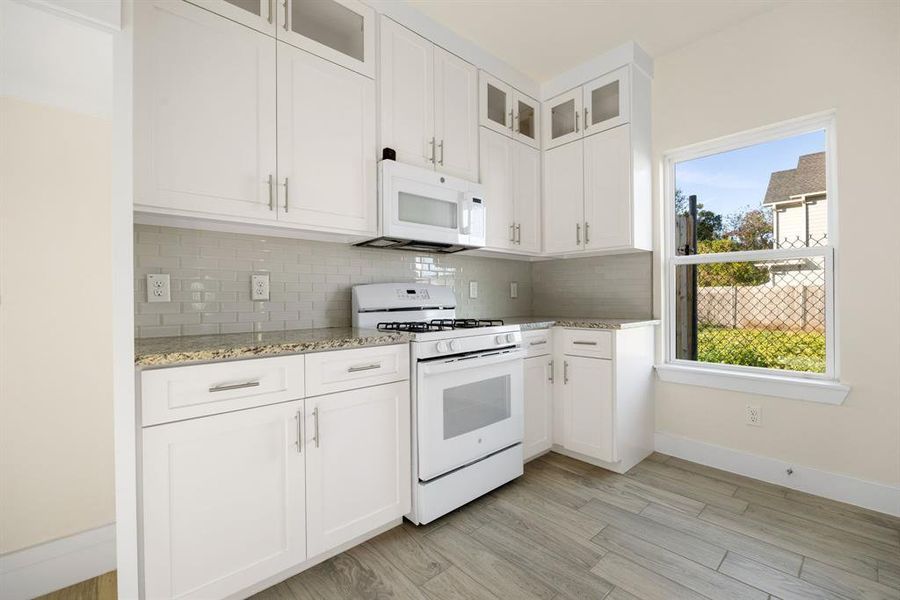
562	119
326	144
258	14
407	94
607	189
456	115
204	113
563	198
588	407
606	102
526	119
496	104
497	155
526	185
223	501
538	405
357	463
342	31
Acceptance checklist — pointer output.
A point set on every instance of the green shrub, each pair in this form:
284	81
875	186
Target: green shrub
790	350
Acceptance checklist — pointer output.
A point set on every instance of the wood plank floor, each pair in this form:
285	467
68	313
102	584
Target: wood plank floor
670	529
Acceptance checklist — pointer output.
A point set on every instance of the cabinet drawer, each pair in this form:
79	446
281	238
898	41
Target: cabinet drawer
178	393
537	342
328	372
587	342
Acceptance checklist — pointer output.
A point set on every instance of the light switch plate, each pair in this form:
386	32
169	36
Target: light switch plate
473	289
158	287
259	286
513	289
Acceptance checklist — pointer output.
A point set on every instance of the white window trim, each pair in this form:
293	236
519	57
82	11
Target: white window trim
817	387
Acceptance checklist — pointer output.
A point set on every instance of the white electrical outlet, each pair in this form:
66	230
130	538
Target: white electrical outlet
259	286
513	289
754	415
158	287
473	289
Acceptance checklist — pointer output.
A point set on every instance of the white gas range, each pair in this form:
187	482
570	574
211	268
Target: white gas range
467	393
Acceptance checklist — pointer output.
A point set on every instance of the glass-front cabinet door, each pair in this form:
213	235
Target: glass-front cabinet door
258	14
562	118
342	31
606	102
526	119
496	104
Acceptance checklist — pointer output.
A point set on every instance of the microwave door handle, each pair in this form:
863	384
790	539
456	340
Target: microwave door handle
466	218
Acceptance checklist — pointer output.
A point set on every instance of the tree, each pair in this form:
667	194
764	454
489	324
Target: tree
727	274
709	224
751	229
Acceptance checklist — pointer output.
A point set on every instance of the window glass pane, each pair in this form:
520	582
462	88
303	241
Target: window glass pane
605	103
526	120
562	119
767	313
427	211
475	405
331	24
496	105
251	6
769	195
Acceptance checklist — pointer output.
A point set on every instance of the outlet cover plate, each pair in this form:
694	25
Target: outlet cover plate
754	415
259	286
513	289
473	289
158	287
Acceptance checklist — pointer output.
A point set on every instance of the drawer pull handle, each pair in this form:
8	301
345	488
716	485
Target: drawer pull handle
585	343
359	368
224	387
539	343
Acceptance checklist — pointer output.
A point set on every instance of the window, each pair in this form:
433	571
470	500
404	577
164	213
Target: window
750	253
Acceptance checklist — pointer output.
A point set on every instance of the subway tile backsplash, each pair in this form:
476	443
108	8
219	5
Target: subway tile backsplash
310	282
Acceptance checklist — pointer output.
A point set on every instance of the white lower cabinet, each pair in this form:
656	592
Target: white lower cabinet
223	501
538	405
588	419
357	463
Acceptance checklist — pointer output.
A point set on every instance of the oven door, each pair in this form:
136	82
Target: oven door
466	408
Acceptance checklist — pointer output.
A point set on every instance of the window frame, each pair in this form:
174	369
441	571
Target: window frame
675	369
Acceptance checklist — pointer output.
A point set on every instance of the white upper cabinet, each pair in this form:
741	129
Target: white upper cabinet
223	501
326	144
342	31
258	14
607	189
407	94
527	194
497	156
508	111
456	115
563	198
606	102
562	119
204	114
429	103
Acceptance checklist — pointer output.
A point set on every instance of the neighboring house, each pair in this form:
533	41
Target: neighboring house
799	204
800	218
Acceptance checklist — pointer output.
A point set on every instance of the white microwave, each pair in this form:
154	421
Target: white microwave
420	209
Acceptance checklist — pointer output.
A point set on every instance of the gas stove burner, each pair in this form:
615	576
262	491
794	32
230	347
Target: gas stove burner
412	326
467	323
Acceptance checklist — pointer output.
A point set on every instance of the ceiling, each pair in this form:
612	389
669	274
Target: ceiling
543	38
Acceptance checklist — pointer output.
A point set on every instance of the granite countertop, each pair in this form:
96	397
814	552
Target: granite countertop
171	351
527	323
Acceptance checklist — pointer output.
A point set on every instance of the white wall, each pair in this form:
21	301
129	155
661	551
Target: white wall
796	60
56	418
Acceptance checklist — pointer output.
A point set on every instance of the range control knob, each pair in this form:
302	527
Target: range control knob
511	338
500	339
442	346
454	345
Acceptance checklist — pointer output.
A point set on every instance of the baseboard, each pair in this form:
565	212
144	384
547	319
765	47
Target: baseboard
834	486
57	564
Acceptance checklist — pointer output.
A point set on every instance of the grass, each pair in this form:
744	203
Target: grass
773	349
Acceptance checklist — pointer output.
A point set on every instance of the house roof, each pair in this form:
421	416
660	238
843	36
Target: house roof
807	178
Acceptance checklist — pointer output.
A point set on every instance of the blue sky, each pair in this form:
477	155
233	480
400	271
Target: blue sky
731	181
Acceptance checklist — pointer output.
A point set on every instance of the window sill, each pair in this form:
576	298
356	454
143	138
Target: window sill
796	388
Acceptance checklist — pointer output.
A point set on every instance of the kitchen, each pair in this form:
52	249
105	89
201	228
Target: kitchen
409	317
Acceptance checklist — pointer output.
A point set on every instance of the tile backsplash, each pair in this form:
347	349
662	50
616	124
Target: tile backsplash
618	286
310	281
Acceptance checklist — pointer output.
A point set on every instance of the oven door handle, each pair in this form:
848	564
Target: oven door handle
458	365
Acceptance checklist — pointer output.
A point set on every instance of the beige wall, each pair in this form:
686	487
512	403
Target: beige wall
800	59
56	415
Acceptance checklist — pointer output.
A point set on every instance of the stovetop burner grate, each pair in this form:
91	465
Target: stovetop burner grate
437	325
467	323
